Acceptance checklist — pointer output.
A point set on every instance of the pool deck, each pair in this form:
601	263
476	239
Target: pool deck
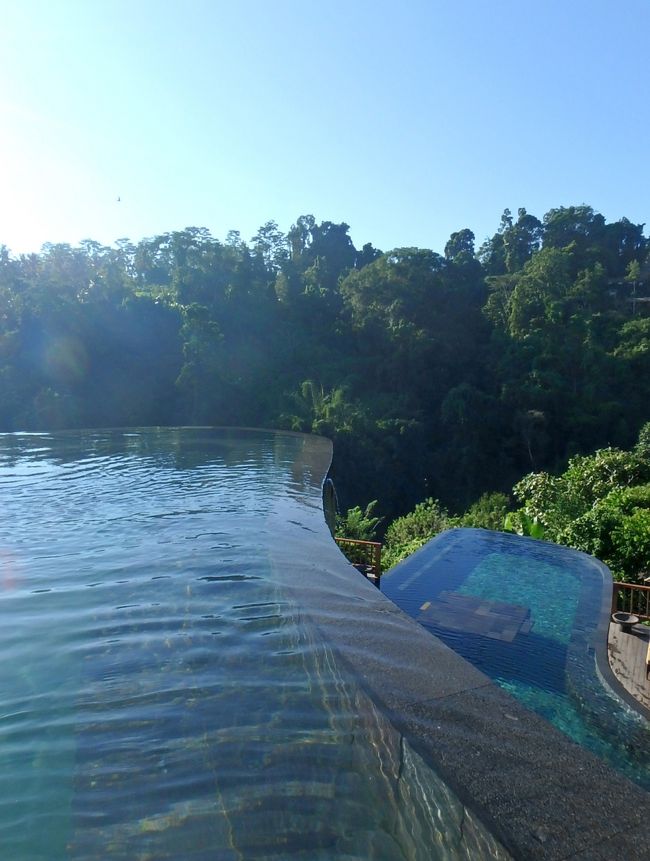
627	658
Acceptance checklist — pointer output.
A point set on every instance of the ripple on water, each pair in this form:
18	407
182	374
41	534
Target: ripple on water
162	696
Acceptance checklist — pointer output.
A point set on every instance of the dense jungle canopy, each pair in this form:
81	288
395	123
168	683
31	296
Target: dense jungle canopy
436	375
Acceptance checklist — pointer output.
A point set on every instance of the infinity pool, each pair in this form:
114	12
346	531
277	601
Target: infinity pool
533	616
165	694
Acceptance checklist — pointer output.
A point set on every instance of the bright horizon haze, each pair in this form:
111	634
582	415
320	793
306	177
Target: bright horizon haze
407	121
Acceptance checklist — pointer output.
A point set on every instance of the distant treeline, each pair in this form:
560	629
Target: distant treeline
437	376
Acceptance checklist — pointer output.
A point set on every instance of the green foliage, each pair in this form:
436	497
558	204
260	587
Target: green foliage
358	524
202	368
616	529
488	512
322	412
557	501
634	341
522	523
440	376
410	532
600	504
642	448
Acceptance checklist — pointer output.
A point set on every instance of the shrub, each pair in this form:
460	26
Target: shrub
410	532
358	524
488	512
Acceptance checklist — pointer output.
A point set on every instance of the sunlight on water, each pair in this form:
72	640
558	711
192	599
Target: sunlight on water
163	698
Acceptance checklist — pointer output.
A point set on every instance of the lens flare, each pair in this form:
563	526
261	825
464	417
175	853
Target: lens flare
65	359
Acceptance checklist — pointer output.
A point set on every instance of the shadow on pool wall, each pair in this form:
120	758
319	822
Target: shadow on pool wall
538	792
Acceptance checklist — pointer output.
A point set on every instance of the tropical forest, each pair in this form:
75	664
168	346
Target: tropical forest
503	385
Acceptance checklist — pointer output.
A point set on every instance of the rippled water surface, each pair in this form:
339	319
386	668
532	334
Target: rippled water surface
162	695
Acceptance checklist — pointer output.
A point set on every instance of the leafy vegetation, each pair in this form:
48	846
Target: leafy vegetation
438	376
357	524
407	534
600	504
488	512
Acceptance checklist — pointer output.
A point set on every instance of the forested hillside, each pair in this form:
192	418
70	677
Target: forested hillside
437	375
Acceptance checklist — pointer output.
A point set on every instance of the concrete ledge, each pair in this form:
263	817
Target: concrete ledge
542	796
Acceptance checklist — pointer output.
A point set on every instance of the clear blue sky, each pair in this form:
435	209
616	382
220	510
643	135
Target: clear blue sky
407	120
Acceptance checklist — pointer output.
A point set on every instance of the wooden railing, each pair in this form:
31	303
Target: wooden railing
364	555
631	598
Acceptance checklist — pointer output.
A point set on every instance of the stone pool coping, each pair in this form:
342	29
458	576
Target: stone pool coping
541	795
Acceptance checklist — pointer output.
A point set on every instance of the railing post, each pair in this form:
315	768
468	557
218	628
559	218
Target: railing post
629	597
366	555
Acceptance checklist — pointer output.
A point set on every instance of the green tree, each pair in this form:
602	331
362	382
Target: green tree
271	245
513	245
488	512
359	524
200	382
460	245
408	533
600	504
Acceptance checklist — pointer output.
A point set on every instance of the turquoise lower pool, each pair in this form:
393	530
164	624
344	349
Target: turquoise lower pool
531	616
163	693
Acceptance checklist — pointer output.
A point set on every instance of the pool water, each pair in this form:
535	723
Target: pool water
164	696
548	604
